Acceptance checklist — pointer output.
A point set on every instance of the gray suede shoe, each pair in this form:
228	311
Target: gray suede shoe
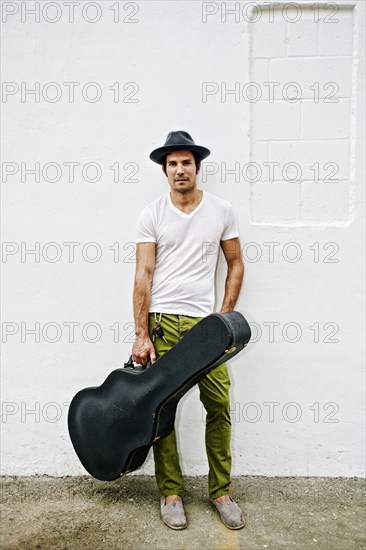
230	514
173	514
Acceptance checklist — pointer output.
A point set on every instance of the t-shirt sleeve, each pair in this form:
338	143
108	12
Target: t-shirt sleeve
145	230
231	225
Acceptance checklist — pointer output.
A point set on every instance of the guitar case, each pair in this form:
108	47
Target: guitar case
113	426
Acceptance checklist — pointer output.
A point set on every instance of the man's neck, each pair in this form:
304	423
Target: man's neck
186	200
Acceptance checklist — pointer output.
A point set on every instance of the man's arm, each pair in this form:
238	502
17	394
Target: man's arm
145	266
235	273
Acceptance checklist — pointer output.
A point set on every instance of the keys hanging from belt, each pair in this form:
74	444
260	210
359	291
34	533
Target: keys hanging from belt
157	329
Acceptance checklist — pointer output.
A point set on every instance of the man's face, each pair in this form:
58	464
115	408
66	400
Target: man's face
181	171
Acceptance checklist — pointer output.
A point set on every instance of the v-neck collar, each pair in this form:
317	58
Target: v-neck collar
184	214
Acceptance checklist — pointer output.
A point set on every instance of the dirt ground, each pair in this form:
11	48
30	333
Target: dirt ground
68	513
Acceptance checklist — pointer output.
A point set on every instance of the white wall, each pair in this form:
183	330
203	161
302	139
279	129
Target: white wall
181	57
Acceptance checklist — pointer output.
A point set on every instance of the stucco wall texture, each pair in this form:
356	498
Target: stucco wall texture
276	94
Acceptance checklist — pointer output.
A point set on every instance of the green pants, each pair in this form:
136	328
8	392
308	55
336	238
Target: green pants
214	394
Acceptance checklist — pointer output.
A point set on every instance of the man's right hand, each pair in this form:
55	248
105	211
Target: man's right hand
142	348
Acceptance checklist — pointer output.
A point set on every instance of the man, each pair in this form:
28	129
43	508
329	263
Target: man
174	289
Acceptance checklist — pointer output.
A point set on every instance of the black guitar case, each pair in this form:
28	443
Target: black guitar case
113	426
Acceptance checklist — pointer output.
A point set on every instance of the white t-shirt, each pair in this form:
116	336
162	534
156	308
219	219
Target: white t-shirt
187	252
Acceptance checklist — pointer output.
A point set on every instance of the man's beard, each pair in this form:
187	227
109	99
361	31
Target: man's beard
184	189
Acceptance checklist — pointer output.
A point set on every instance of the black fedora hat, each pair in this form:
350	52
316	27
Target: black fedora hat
176	141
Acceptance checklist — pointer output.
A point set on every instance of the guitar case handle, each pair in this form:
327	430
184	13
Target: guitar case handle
137	368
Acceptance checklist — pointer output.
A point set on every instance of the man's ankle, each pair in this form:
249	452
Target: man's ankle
222	498
169	499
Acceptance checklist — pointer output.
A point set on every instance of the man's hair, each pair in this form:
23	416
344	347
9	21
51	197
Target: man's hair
195	156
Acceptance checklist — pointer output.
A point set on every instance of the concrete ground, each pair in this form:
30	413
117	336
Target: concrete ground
83	513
